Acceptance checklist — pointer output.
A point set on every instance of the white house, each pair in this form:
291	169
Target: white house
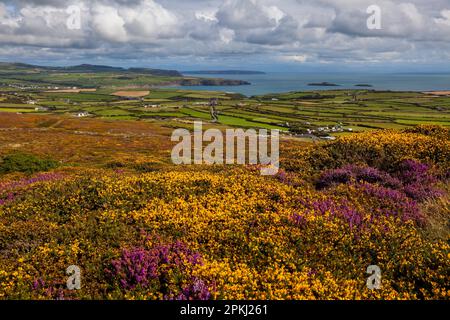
82	114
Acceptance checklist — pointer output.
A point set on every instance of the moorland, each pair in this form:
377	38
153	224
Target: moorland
86	179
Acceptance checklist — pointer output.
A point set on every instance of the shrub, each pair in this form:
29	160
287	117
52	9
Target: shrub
417	179
412	178
383	149
27	163
351	173
162	267
258	237
431	130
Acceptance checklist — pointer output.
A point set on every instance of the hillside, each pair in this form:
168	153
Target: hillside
87	75
88	68
104	195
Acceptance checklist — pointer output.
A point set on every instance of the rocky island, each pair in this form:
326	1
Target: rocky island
210	82
246	72
323	84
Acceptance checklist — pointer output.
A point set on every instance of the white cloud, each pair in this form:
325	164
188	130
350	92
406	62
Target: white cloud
322	30
226	35
107	23
301	58
206	15
5	19
273	13
245	14
445	18
149	20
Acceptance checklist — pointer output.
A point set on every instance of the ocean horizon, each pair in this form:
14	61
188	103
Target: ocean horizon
276	82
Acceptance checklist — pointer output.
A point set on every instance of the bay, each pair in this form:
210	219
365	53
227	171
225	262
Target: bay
276	82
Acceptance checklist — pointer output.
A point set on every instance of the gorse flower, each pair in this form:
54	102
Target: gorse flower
226	232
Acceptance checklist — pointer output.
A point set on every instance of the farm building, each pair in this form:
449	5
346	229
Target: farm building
82	114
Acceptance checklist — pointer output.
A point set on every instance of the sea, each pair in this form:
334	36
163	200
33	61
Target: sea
276	82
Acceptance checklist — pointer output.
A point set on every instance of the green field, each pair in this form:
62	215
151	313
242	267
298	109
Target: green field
293	112
296	112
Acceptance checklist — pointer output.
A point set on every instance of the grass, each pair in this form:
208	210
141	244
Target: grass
81	97
165	114
113	112
196	113
163	94
16	110
421	121
124	117
240	122
370	110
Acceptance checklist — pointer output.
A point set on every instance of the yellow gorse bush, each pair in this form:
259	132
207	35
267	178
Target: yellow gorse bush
258	237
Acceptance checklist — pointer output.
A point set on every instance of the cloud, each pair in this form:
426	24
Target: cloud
226	35
150	20
322	30
108	24
444	19
206	16
247	14
413	20
301	58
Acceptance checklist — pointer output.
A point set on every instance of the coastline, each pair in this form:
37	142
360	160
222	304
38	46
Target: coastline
281	82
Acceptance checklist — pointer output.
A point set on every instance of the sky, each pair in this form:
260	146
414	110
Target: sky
266	35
